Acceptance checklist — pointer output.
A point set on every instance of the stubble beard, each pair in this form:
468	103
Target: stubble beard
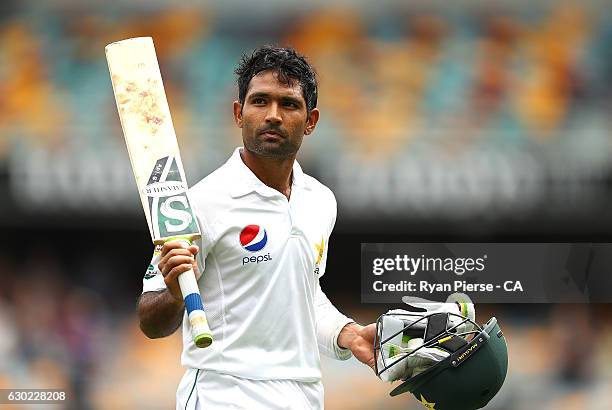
283	149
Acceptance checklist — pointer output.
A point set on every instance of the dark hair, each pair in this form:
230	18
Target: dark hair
287	63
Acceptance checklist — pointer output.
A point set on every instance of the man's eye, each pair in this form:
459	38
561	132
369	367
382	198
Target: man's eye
290	104
259	101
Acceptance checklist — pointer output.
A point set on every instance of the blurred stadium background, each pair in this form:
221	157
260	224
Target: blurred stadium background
441	121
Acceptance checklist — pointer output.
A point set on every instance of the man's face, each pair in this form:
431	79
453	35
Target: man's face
274	118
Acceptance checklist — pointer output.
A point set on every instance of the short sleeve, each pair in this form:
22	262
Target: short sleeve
325	245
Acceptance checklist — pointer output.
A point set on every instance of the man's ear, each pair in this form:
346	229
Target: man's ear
311	121
237	107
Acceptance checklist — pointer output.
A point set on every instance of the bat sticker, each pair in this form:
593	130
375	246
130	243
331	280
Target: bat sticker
169	206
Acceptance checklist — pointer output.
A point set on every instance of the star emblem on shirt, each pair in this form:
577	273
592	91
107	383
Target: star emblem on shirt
320	247
427	404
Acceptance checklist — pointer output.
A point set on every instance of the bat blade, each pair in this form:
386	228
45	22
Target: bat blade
155	158
150	138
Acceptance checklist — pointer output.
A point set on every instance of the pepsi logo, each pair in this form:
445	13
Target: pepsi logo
253	238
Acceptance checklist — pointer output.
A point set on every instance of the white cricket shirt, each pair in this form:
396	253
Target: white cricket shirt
264	256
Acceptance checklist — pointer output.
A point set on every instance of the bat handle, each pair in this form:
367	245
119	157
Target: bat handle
200	331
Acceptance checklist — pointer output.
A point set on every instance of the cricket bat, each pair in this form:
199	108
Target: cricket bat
156	161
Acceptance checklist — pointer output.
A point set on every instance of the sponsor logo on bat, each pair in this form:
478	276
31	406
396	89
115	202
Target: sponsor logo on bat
169	206
150	272
159	189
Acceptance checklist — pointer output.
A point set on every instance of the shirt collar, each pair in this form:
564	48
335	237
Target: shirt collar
245	181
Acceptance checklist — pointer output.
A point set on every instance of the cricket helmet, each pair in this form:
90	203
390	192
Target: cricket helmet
470	365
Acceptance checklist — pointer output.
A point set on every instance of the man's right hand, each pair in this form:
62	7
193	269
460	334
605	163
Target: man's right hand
176	259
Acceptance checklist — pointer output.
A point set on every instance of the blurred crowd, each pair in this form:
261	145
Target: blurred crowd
386	78
445	111
63	334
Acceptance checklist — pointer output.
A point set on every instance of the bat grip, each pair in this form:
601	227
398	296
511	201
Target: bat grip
200	331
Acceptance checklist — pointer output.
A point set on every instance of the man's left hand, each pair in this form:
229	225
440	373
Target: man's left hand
360	340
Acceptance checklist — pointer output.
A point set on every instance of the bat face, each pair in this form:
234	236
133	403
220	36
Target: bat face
150	138
154	154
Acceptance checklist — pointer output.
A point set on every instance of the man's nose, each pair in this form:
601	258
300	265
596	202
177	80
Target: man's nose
273	114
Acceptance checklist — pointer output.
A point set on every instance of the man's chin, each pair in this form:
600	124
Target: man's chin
273	149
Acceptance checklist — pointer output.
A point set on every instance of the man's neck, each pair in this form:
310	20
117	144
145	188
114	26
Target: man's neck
275	173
